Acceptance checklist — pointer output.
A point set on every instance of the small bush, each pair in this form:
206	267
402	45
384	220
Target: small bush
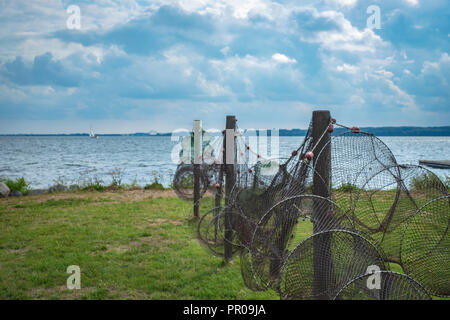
94	184
347	187
425	182
116	176
154	186
17	185
186	182
447	182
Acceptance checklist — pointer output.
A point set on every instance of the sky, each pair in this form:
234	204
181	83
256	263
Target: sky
141	65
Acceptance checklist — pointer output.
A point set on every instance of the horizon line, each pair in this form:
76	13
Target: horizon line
214	131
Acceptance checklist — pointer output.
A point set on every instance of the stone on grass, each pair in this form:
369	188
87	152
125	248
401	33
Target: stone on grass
57	188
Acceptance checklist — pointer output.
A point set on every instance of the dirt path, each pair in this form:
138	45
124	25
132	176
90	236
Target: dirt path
121	195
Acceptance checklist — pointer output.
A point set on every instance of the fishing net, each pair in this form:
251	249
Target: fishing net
210	168
389	198
282	228
257	188
210	231
391	286
355	157
183	181
247	261
324	262
425	246
372	212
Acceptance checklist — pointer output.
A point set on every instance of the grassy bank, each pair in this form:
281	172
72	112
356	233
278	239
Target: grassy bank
129	245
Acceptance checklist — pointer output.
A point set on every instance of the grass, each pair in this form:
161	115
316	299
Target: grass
137	244
144	248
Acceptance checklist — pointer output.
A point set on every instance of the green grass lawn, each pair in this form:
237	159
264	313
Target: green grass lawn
139	244
141	248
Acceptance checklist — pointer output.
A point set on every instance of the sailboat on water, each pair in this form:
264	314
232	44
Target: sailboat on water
92	135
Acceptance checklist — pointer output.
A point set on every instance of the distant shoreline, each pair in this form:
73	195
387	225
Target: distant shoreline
378	131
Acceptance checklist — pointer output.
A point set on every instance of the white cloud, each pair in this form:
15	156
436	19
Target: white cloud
356	99
281	58
211	88
347	37
413	3
343	3
386	74
237	8
225	50
429	66
347	68
402	98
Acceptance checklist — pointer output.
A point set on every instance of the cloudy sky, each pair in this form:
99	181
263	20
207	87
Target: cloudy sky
141	65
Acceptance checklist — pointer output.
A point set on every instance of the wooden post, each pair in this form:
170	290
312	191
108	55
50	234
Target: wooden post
197	161
229	159
321	187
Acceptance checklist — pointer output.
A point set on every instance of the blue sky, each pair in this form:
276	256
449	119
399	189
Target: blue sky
157	65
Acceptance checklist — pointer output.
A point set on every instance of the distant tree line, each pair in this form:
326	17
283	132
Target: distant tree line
378	131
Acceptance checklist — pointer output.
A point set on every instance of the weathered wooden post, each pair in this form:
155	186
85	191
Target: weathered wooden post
229	159
197	162
321	187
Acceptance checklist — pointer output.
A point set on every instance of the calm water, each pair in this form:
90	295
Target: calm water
45	160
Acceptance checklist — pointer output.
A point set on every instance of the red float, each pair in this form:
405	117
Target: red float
330	128
355	129
309	155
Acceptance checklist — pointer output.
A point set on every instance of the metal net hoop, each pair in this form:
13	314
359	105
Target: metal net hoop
425	246
393	286
323	263
278	232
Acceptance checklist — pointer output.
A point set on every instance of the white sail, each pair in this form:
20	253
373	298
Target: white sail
91	134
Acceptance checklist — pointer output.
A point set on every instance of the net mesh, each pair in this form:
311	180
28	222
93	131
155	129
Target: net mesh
323	263
372	212
391	286
425	246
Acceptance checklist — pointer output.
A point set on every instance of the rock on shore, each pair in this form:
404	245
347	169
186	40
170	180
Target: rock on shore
57	188
15	193
4	190
35	192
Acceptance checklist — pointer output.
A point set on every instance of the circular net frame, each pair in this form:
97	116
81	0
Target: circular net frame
183	181
375	214
283	227
324	262
355	158
388	199
425	246
391	286
210	231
